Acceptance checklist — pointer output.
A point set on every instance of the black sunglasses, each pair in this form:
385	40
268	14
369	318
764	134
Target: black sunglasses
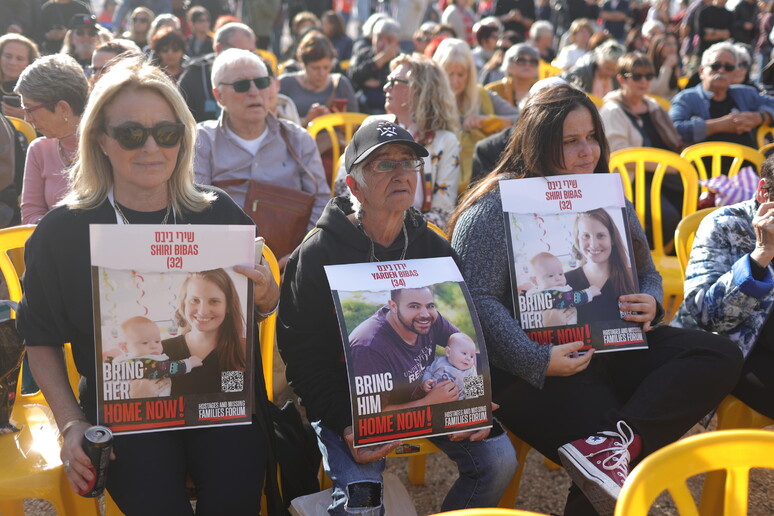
242	86
133	136
392	81
84	32
725	66
526	61
637	77
140	19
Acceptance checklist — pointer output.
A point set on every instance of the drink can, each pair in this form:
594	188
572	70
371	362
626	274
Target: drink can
98	444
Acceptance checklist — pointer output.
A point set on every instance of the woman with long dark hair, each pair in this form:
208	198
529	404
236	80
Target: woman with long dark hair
598	412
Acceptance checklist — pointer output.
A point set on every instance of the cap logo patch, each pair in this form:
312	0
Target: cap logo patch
386	129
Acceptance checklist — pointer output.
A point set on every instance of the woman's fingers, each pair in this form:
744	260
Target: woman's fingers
565	359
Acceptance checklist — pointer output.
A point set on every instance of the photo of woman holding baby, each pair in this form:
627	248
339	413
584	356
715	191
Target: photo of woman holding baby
212	327
600	248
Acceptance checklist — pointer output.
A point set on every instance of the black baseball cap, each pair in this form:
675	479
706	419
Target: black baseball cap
80	21
371	136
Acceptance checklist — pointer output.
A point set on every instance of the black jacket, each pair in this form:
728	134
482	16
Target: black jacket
196	86
308	333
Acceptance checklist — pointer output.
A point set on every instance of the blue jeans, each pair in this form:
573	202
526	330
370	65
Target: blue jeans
486	467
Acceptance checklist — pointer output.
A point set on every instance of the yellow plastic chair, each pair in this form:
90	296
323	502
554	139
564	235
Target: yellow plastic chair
664	103
766	149
270	57
349	122
596	100
267	330
682	82
684	235
24	127
546	70
30	466
489	511
733	451
718	150
344	65
764	135
621	161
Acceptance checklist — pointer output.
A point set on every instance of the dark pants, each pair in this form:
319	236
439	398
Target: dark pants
226	464
756	384
660	392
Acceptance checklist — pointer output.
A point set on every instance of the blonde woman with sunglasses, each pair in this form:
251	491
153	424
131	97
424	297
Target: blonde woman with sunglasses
134	166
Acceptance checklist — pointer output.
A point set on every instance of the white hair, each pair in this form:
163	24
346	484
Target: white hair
649	26
539	28
386	26
724	46
515	51
234	58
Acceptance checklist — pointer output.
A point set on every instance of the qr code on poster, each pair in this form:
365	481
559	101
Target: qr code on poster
232	381
474	386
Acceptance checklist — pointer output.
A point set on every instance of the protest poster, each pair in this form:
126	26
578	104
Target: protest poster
570	257
173	326
415	353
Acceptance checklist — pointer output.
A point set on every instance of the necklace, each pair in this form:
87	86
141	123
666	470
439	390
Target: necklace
126	221
66	160
372	257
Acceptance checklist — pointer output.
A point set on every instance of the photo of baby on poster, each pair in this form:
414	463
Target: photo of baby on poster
415	353
173	320
570	256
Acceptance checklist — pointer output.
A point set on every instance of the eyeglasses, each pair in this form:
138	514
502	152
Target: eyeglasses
83	32
171	49
244	85
140	19
391	81
30	110
388	165
133	136
637	77
725	66
531	61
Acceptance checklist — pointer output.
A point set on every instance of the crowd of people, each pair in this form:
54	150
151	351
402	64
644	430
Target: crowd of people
162	111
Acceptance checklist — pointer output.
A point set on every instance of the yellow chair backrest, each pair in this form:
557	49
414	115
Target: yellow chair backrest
11	239
24	127
328	123
663	159
735	451
718	150
766	149
596	100
685	233
546	70
344	65
682	82
764	135
270	57
268	328
664	103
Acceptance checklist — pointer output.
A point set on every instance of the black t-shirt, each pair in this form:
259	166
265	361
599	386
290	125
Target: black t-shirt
720	108
57	303
713	17
650	129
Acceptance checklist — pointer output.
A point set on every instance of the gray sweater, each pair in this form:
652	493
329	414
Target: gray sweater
479	239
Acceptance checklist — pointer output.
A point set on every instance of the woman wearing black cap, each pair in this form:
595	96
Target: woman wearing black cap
376	223
55	16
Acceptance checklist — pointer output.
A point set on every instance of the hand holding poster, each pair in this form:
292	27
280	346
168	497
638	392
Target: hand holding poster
415	353
172	322
571	258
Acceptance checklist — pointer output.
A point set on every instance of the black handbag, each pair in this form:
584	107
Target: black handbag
11	356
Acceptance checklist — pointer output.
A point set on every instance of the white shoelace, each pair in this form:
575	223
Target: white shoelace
620	457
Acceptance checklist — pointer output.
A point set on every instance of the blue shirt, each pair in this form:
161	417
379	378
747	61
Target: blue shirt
690	109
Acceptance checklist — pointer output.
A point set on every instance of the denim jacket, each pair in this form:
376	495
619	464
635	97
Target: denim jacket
219	157
691	109
721	294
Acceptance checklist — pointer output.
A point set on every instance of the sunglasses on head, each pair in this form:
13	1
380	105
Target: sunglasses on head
86	32
244	85
725	66
531	61
133	136
637	77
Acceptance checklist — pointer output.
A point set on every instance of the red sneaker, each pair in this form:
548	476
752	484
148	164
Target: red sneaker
599	464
